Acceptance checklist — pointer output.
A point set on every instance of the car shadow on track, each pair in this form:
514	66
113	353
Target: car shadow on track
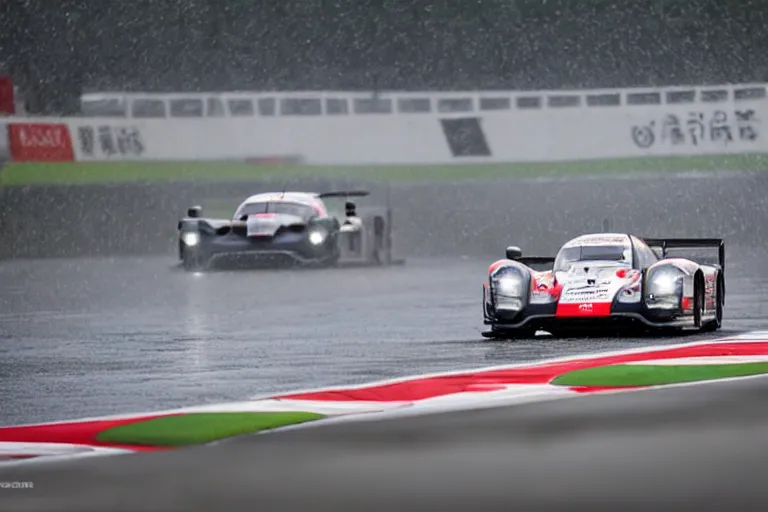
545	346
688	335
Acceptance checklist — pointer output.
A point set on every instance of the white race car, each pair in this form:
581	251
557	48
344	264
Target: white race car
288	229
605	280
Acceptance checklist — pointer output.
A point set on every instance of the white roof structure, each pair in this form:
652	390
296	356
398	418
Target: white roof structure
600	239
307	198
313	104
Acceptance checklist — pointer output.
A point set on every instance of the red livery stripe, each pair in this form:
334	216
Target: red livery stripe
584	309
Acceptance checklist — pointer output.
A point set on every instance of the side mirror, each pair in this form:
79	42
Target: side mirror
351	209
514	252
195	212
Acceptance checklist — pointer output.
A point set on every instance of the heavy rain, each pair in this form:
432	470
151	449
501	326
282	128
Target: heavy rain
209	207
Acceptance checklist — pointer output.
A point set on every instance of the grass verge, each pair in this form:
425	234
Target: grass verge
116	172
199	428
656	375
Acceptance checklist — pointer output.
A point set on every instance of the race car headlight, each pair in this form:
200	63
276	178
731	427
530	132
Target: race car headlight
664	283
190	239
508	290
664	289
317	236
511	285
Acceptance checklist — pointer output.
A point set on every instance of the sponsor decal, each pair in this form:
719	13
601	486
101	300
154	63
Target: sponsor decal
40	142
710	292
578	309
261	225
104	141
587	294
721	128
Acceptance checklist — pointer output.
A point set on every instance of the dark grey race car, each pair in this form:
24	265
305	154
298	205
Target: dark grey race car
279	229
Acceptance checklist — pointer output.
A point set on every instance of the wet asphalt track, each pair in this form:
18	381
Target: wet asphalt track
106	336
82	337
92	336
681	448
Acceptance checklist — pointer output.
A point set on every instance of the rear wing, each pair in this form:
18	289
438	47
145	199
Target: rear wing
344	193
689	243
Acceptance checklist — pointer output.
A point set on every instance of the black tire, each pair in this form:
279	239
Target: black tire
698	301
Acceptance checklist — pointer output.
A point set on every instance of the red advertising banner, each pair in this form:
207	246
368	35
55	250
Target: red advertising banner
40	142
7	103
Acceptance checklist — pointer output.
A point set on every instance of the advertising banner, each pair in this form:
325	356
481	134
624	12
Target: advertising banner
40	142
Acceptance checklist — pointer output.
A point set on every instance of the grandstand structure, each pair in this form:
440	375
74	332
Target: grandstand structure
342	103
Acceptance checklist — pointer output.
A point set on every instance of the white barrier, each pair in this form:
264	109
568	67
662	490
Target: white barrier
520	135
627	132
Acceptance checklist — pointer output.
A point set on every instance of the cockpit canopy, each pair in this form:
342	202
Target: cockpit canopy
304	211
569	255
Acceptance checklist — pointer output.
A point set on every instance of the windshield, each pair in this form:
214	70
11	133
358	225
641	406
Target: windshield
569	255
300	210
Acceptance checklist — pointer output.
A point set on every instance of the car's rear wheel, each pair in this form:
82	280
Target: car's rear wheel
698	302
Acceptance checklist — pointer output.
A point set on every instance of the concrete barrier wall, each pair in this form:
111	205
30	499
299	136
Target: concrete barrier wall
513	135
475	218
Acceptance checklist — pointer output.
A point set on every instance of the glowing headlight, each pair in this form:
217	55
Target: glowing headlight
190	239
664	283
317	236
510	286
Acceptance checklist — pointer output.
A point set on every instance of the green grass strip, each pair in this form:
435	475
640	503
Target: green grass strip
656	375
116	172
198	428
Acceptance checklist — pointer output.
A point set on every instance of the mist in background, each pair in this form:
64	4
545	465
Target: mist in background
56	50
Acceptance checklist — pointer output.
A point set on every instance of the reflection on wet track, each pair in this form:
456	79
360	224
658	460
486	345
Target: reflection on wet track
85	337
